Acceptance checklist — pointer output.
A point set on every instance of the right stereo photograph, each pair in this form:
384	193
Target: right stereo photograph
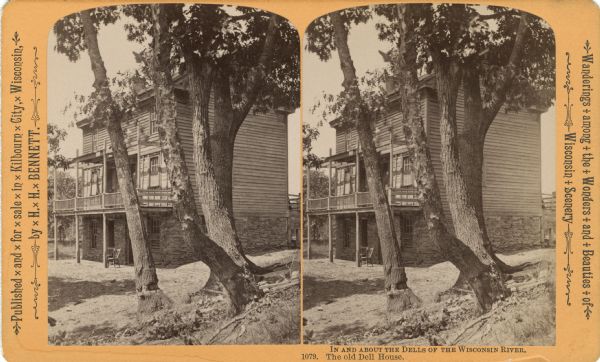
429	177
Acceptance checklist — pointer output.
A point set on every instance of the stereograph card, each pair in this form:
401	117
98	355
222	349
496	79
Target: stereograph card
300	181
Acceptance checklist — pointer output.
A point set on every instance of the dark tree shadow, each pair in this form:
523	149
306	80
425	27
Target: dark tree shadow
319	291
62	292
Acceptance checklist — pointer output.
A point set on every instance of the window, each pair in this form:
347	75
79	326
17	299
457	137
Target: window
346	178
402	171
406	231
93	234
153	127
94	139
153	228
154	172
407	179
95	182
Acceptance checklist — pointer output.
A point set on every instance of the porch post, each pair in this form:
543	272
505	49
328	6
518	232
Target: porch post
357	240
139	148
54	215
356	178
77	252
104	244
307	236
76	177
103	173
329	224
391	168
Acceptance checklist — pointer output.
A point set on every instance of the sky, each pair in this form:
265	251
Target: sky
326	77
66	79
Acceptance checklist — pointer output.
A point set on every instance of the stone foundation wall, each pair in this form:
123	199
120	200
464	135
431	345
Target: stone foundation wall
257	234
508	234
426	251
514	233
173	250
262	233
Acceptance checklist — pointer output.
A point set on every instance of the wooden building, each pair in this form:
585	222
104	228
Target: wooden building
511	185
260	185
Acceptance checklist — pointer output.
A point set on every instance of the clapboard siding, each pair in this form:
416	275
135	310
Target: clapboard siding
259	164
512	160
347	140
512	153
260	172
129	127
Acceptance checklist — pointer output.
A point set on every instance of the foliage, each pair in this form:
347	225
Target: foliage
481	38
56	135
310	134
231	39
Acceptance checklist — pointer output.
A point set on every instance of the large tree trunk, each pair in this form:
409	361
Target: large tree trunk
471	140
214	149
471	147
480	273
467	223
146	281
399	295
238	282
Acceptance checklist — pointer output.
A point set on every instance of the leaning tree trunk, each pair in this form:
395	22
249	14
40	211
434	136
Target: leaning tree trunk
150	296
471	143
238	282
466	221
481	274
399	295
214	150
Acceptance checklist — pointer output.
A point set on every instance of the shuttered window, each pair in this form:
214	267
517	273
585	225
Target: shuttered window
346	178
402	171
154	174
153	128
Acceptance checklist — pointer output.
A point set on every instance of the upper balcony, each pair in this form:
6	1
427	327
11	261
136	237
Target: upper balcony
112	201
398	197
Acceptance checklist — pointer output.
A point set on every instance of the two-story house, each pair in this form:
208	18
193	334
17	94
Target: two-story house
511	184
260	185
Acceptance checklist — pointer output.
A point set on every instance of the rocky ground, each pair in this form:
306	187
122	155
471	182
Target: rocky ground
92	305
344	304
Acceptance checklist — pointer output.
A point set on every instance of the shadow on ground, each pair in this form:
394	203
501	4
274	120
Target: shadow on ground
76	291
318	291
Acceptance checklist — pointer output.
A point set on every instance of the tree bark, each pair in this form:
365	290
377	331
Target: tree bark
467	221
217	147
471	140
238	282
146	280
480	273
399	295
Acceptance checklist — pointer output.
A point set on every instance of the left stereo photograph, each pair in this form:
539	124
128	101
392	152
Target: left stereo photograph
174	155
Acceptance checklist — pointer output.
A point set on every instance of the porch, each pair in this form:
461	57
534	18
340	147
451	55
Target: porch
111	201
401	197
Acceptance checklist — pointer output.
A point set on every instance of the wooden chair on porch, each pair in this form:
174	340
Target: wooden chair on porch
366	255
113	258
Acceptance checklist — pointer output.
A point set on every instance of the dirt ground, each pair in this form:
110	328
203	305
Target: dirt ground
345	304
90	304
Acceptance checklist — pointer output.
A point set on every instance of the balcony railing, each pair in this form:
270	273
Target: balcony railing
148	198
361	200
